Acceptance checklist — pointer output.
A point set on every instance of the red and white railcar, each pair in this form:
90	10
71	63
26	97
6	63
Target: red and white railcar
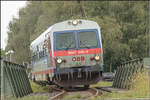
68	53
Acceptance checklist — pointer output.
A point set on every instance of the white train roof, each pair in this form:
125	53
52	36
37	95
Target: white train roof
41	37
62	26
86	24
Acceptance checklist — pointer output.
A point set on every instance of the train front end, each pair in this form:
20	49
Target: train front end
77	53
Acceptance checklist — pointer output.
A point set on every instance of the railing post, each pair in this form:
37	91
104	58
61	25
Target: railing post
116	77
3	95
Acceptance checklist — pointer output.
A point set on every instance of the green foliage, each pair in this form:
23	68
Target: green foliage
124	26
141	88
37	88
2	53
103	84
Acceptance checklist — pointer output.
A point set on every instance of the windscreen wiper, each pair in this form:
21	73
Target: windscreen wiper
83	43
69	45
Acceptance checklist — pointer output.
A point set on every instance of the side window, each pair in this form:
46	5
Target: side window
40	55
44	52
46	43
37	47
40	51
49	42
34	56
37	53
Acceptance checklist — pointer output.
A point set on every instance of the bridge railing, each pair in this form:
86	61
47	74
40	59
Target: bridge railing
125	73
14	80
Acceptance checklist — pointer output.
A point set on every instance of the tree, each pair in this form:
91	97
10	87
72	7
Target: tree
2	53
124	26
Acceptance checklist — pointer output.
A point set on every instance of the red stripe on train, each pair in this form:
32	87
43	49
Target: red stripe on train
43	72
77	52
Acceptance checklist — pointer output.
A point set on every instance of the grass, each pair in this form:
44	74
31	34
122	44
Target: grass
30	98
35	88
140	89
102	84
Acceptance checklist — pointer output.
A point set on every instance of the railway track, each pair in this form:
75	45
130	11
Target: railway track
96	91
59	95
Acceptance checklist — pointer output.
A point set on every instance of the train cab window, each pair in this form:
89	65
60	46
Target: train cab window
65	41
87	39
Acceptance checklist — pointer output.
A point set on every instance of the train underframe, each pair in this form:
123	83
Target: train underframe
84	75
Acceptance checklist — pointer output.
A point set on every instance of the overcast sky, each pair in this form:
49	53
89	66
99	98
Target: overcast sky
8	10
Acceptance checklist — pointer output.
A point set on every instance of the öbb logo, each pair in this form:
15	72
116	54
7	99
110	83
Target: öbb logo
78	58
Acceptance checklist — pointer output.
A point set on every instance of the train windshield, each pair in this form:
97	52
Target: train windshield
65	41
87	39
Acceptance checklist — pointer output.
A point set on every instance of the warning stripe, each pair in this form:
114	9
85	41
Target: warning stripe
77	52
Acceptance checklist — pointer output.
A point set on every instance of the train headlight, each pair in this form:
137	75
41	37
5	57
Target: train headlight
74	22
59	60
97	57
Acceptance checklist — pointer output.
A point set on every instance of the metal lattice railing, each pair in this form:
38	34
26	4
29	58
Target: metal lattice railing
14	80
125	73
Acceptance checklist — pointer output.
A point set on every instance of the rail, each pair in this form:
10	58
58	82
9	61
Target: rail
125	73
14	80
